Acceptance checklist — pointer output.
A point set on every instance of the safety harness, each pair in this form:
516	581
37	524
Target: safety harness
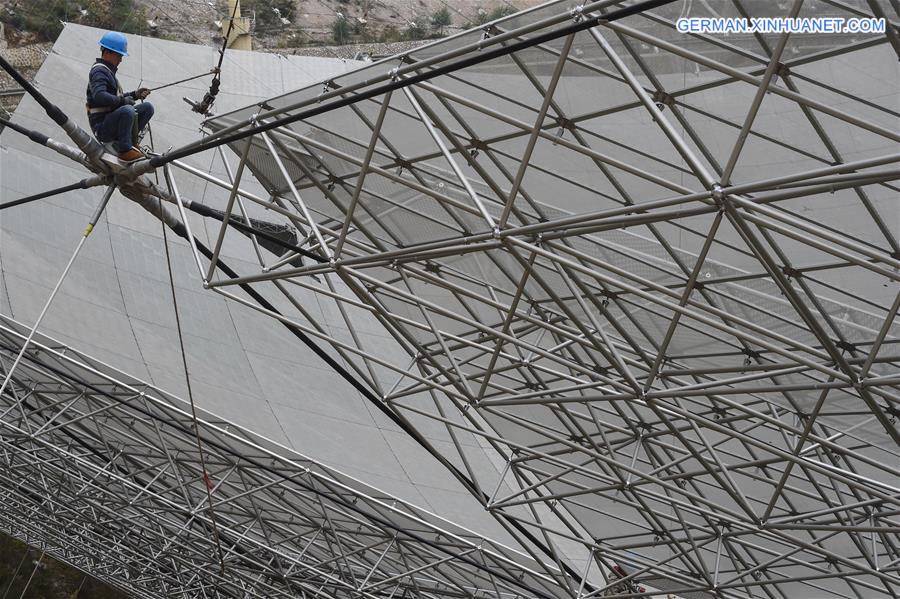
100	109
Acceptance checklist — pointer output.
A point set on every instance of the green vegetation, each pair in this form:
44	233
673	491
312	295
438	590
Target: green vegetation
341	31
416	30
440	19
390	34
269	12
497	13
52	579
45	19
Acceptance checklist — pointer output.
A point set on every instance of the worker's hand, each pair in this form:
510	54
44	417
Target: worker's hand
142	93
127	101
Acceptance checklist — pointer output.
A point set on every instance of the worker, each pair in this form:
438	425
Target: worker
115	116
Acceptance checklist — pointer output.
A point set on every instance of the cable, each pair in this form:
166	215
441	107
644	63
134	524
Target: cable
31	134
16	573
212	71
196	426
53	111
404	82
248	229
227	35
87	231
209	98
206	480
396	418
83	184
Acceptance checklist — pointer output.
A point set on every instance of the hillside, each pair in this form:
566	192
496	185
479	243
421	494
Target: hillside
276	23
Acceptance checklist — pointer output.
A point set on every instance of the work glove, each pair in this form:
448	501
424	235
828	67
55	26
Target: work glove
142	93
127	101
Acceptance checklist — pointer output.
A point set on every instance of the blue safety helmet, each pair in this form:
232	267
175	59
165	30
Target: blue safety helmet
115	42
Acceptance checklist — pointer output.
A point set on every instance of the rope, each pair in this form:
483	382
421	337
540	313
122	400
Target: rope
33	572
212	71
45	194
16	573
204	106
397	82
195	424
187	379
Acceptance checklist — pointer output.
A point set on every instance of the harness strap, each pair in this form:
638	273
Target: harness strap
102	109
100	64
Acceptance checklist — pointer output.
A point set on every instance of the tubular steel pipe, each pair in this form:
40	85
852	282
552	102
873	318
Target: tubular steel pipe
87	231
86	143
181	231
453	66
83	184
47	141
235	222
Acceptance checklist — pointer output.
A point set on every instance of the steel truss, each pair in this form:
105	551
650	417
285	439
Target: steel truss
670	372
102	471
653	333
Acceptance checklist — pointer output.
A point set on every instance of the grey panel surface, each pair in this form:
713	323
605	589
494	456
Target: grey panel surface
624	424
116	303
661	414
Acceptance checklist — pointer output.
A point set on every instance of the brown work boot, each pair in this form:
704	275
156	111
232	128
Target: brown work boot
131	155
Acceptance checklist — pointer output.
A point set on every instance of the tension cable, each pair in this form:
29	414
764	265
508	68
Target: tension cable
203	107
212	71
195	423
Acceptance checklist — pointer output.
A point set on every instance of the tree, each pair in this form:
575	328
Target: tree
389	34
119	15
498	13
341	30
45	19
269	13
415	31
440	19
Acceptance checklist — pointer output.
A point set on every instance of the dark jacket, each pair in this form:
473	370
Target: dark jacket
103	92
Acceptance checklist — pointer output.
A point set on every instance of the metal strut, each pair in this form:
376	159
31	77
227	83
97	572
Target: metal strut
87	231
584	24
83	184
85	142
212	71
187	380
203	107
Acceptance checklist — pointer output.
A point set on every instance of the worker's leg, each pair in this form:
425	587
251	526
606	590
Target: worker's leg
144	114
117	127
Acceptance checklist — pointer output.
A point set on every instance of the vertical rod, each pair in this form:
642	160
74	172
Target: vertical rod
240	202
449	157
536	129
228	208
173	189
33	572
363	171
16	573
761	92
310	221
87	231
